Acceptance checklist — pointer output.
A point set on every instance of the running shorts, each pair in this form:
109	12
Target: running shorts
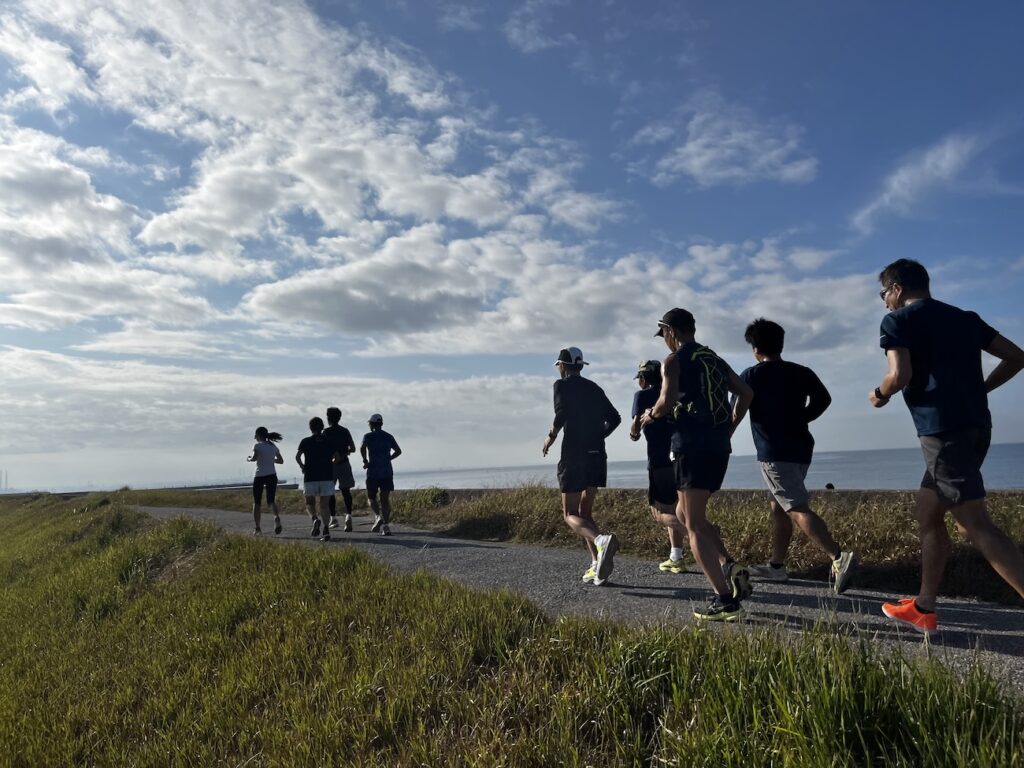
343	475
700	470
661	486
786	482
315	488
587	470
265	481
375	484
953	464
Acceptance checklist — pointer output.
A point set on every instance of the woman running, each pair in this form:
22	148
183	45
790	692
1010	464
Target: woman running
266	455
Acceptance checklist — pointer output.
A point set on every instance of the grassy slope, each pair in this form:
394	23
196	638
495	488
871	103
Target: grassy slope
134	643
878	525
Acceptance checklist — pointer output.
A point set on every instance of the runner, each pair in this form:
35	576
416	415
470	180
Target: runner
787	397
378	450
342	440
695	391
934	356
583	409
266	455
661	486
315	455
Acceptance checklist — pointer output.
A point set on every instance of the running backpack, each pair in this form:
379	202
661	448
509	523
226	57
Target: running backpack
707	398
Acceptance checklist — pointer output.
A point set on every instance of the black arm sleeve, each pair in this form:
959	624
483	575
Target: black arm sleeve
559	407
612	419
818	397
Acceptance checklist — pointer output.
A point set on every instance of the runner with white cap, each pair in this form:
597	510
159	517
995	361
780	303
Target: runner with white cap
588	417
378	450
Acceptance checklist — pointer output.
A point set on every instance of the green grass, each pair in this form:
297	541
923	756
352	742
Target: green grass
878	525
128	642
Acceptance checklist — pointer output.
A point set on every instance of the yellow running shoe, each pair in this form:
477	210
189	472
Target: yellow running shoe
589	575
672	566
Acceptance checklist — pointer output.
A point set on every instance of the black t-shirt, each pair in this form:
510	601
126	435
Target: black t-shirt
694	429
317	452
585	413
947	386
341	439
658	433
787	397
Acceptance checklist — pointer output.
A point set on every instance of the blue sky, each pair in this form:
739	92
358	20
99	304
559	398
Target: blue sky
222	214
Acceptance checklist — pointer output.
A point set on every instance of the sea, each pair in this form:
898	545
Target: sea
889	469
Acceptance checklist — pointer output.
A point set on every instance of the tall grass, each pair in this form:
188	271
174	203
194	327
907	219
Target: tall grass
878	525
128	642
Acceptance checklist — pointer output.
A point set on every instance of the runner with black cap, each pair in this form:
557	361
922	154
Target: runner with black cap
588	417
695	389
661	486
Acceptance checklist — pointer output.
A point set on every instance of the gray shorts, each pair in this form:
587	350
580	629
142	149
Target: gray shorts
343	475
785	481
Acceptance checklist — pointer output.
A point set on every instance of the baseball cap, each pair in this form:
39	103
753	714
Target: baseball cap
647	368
571	356
376	419
676	318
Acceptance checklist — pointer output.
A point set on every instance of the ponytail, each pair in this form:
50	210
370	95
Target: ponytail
263	434
274	437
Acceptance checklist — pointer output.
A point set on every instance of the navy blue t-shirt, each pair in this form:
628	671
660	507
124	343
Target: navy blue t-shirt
694	432
379	445
947	386
787	397
658	433
585	413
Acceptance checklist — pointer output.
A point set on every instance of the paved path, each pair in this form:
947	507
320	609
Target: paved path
638	593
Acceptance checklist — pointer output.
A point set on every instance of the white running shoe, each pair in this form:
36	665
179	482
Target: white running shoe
607	545
767	572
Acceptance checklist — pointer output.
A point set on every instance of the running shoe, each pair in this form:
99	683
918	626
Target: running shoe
607	545
719	609
348	523
277	525
385	530
907	612
768	572
738	577
257	532
843	568
326	536
672	566
377	523
316	527
333	523
589	575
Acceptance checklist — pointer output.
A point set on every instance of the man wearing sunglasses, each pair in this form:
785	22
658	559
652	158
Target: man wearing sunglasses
934	355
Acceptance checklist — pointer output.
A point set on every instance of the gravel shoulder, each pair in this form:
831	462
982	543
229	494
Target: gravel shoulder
640	594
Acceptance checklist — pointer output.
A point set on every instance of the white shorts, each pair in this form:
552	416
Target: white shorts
318	488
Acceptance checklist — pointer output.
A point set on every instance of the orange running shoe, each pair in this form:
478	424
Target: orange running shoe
906	612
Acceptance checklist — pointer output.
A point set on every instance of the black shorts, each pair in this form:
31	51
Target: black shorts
259	483
587	470
375	484
661	486
953	464
700	470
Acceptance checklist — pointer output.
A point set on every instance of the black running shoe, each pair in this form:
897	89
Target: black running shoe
348	523
277	525
719	609
385	530
377	523
316	528
325	537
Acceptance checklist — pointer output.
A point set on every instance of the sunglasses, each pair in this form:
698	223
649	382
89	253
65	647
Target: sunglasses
884	292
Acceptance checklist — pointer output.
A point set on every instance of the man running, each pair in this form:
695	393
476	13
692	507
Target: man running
934	356
695	392
661	485
588	417
378	450
343	444
315	456
787	397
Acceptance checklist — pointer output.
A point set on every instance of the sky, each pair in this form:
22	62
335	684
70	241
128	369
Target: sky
222	214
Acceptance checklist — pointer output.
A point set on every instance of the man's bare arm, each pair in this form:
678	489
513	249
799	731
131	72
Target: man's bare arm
669	390
1011	362
896	378
744	397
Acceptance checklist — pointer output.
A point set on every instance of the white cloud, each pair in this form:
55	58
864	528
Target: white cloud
464	18
715	142
916	177
525	27
810	259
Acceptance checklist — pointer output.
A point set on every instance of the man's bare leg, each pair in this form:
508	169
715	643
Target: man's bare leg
311	507
577	509
930	512
998	548
782	532
705	543
325	513
815	529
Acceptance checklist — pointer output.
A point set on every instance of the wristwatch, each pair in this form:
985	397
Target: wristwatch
879	395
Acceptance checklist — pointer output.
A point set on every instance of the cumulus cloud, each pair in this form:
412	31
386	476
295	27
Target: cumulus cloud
917	177
714	142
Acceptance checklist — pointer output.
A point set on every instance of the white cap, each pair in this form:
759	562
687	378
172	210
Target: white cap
376	418
571	356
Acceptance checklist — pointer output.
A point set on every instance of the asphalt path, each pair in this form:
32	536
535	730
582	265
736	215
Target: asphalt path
638	593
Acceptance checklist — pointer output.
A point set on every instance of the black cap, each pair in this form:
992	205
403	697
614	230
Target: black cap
648	368
678	319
